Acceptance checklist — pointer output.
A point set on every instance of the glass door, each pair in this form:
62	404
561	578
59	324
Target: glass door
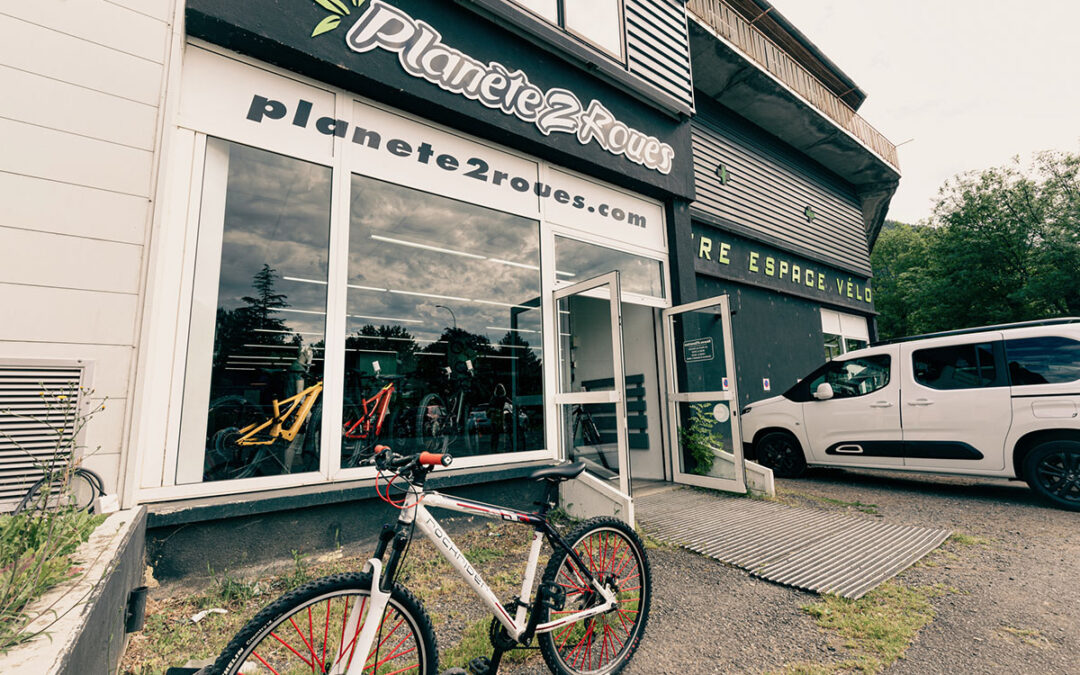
591	394
705	444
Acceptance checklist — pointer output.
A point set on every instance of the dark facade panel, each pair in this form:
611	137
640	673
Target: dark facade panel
775	336
740	180
657	46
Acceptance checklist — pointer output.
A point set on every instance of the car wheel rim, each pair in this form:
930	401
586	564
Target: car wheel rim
779	452
1059	473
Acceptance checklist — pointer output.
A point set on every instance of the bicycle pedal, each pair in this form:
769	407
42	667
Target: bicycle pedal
481	665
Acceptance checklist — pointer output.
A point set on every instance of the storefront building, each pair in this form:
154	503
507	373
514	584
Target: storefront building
285	230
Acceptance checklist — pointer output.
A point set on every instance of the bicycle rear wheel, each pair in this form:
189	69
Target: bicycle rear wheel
602	644
431	423
306	630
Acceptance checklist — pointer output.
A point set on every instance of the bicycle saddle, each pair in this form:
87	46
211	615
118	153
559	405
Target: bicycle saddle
559	472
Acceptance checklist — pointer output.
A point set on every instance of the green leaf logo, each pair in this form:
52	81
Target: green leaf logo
338	9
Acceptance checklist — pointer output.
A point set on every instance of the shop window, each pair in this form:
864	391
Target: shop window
253	387
1043	360
443	303
598	22
854	377
843	333
577	261
955	366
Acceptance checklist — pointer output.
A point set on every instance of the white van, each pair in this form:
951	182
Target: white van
993	401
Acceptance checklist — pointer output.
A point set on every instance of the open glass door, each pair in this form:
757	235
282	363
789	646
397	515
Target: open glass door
705	444
591	393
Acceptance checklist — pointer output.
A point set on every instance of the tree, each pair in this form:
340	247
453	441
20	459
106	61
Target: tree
1002	246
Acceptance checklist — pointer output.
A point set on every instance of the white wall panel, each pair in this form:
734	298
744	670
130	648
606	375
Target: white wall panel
64	261
32	203
111	365
37	49
66	107
58	155
160	9
98	21
36	313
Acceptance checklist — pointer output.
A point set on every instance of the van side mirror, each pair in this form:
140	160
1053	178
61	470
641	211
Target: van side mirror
823	392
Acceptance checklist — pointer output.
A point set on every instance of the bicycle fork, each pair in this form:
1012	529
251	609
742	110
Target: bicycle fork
343	665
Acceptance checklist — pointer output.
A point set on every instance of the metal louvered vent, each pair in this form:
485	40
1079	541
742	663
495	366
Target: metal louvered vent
26	445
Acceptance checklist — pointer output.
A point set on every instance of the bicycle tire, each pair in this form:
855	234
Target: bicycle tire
414	651
431	427
614	553
48	492
228	452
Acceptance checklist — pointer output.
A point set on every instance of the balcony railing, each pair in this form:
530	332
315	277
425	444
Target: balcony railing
755	45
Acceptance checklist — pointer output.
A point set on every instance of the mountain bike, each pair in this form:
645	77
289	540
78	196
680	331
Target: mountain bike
365	423
585	428
439	425
266	446
587	613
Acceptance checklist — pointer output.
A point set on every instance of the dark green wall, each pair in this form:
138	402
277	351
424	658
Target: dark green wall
776	336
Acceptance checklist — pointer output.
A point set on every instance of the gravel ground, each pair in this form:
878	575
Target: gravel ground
1015	606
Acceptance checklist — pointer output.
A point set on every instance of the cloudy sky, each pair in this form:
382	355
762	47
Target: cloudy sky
973	82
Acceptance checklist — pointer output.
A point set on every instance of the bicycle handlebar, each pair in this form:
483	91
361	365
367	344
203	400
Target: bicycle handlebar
385	458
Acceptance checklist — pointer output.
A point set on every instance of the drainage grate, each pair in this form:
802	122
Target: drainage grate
816	551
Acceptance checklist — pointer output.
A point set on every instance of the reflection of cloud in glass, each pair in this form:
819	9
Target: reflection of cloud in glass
277	212
578	261
427	250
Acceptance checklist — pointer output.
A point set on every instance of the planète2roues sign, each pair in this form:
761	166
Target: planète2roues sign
423	54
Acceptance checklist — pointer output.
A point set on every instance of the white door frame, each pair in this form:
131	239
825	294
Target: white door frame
675	397
618	395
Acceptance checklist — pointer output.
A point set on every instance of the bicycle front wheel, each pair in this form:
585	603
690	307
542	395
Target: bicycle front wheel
602	644
431	419
307	630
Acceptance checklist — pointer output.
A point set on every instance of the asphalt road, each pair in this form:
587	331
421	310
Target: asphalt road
1014	605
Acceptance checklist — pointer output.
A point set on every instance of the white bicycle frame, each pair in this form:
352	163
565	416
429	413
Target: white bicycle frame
515	625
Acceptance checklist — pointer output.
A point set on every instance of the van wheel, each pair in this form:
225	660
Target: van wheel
1052	470
779	451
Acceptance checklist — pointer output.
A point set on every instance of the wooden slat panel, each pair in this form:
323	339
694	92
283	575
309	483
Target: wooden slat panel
84	111
768	195
657	46
45	205
55	155
36	49
100	22
72	262
62	315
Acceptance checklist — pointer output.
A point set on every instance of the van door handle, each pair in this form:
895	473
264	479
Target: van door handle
920	401
881	404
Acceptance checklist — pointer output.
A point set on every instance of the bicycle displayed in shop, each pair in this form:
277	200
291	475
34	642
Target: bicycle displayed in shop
366	422
265	446
585	429
439	425
588	612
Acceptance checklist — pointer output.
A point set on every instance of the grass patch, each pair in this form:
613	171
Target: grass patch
1028	636
36	551
793	498
874	630
499	551
969	539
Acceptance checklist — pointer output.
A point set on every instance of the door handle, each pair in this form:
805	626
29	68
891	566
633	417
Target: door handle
921	401
881	404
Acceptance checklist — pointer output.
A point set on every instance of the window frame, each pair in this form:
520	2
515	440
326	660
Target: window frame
560	23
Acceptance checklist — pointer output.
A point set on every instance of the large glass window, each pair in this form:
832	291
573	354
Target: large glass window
444	322
843	333
1043	360
578	261
253	400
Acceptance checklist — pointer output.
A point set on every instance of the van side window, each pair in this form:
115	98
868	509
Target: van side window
1043	360
955	366
855	377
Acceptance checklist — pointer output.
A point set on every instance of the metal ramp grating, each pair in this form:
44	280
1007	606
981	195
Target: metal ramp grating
817	551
